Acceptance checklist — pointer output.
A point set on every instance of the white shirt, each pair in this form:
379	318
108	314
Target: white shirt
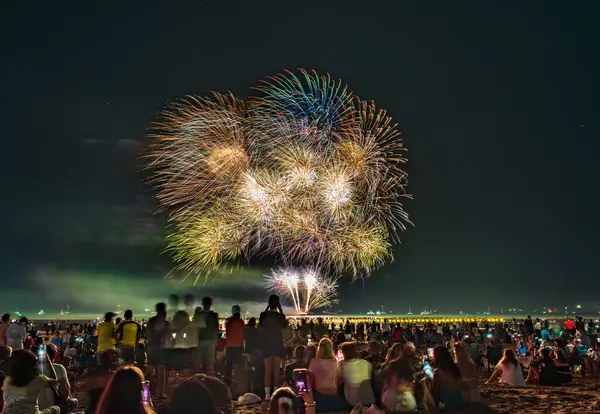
512	375
537	326
324	373
15	335
356	376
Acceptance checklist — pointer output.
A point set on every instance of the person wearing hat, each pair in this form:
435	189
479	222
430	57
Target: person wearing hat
106	333
234	334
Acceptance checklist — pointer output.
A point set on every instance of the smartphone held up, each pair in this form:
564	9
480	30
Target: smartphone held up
300	381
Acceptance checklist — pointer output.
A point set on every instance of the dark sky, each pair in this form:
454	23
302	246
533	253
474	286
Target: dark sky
498	103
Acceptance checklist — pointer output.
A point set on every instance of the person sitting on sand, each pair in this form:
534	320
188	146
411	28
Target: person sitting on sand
24	384
323	373
494	352
299	362
220	392
355	374
311	352
190	397
57	372
543	371
522	349
509	371
124	393
398	390
562	366
469	373
447	379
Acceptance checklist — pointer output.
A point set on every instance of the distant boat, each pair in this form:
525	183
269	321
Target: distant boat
68	310
41	312
409	312
370	312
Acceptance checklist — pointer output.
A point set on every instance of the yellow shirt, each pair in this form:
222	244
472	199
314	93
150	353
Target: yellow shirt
128	332
105	332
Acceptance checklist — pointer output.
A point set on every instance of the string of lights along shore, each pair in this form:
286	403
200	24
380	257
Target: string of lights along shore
303	171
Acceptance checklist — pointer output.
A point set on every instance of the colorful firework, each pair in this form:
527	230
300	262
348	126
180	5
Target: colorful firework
306	172
306	287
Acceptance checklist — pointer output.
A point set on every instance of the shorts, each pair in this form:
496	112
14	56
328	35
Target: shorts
99	357
127	352
206	353
157	356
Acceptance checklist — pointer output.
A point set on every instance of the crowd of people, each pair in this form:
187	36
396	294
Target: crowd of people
298	365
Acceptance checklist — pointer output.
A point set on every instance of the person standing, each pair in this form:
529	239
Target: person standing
15	334
207	322
128	335
234	334
3	326
528	325
272	321
157	335
105	332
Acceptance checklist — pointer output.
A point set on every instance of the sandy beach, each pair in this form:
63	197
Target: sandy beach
582	396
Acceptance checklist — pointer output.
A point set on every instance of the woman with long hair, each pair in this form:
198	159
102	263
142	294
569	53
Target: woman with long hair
562	366
509	370
469	372
272	322
124	393
323	373
398	389
447	379
394	352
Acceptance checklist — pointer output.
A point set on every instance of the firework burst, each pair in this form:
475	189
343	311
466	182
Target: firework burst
305	171
306	287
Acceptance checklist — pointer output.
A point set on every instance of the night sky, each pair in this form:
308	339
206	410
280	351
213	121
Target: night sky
497	102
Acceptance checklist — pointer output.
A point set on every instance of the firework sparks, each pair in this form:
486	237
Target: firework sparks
307	288
306	172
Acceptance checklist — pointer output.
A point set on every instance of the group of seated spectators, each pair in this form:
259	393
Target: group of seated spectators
402	380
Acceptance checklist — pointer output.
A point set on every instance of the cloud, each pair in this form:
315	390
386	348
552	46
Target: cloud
128	143
92	141
96	292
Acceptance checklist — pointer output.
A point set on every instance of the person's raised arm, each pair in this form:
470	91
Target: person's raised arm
63	382
49	381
